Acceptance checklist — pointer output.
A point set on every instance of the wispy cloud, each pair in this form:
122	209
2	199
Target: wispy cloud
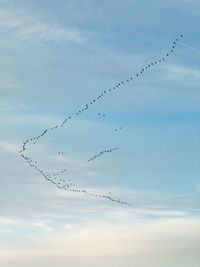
43	226
178	71
27	26
27	119
6	86
10	147
6	80
6	220
195	2
139	243
51	32
4	107
7	19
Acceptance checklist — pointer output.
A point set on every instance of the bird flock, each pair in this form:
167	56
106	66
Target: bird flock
102	152
66	184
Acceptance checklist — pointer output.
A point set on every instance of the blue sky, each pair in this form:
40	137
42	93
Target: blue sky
55	57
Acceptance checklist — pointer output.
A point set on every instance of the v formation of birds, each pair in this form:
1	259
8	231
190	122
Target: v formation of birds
67	184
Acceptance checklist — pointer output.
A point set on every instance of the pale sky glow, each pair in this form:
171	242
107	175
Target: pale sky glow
56	56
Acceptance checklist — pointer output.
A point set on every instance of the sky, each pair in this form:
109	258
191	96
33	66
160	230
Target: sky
56	56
